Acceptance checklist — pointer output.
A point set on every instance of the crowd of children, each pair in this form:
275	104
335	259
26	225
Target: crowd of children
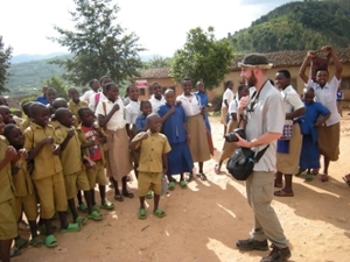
64	149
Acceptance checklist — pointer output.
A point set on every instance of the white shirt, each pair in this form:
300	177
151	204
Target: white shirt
156	104
132	112
327	96
291	99
117	120
191	105
87	95
92	102
228	95
233	107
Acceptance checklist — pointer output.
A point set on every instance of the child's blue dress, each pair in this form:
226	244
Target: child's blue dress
310	152
179	158
203	99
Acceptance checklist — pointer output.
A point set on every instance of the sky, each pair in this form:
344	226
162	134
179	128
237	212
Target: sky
160	24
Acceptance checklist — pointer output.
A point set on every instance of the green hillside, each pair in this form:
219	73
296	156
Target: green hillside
24	77
297	26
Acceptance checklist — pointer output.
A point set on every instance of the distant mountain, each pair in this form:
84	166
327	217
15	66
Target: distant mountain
28	58
297	26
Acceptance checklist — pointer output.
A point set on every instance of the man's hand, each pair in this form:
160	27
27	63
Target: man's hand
242	142
243	103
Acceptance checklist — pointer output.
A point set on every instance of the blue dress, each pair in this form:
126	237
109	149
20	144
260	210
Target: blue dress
310	152
179	158
203	99
141	122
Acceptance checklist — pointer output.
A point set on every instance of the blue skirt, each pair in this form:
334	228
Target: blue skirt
310	153
179	159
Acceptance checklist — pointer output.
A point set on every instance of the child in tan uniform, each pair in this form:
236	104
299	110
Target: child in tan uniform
73	168
153	163
92	139
41	143
24	189
8	223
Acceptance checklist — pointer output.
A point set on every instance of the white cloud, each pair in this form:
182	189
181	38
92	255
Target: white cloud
161	25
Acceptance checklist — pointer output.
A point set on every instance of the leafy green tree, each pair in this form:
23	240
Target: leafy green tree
99	46
5	62
60	86
158	62
203	58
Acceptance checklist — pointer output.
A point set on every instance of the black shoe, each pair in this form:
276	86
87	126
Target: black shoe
277	255
251	244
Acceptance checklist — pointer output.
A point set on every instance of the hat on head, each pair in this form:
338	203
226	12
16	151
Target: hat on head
255	61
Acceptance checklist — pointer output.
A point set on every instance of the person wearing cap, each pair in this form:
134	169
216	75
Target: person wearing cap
264	117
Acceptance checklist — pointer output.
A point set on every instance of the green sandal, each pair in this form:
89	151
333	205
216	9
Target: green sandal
107	205
149	194
21	243
71	228
51	241
96	208
83	208
81	220
36	242
142	214
95	215
309	177
42	229
183	184
171	185
159	213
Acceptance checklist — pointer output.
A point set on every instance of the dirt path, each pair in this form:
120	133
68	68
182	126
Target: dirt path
204	221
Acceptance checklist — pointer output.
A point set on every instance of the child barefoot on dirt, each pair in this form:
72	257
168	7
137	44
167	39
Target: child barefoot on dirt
153	163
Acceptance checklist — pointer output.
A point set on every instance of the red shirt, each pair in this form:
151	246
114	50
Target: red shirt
92	135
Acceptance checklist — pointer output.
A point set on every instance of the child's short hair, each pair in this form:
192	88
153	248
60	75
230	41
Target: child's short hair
60	112
82	111
8	129
284	72
143	103
129	87
92	81
110	85
227	83
26	107
151	116
240	87
35	107
321	69
185	79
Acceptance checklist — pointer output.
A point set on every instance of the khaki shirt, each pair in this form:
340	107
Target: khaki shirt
25	124
75	107
45	163
152	150
22	181
6	185
71	156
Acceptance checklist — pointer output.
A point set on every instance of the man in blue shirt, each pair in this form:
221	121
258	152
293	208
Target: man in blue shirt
42	99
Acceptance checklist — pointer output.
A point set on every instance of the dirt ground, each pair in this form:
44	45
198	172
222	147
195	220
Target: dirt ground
204	221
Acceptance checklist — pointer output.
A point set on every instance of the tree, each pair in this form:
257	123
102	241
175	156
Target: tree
58	85
99	46
203	58
158	62
5	62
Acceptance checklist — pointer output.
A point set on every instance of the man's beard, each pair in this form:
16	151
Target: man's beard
251	81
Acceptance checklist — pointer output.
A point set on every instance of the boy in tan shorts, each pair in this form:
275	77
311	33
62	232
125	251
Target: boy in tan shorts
8	224
25	195
92	139
73	167
153	163
41	143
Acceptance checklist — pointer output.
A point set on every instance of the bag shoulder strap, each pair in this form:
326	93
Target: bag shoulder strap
260	154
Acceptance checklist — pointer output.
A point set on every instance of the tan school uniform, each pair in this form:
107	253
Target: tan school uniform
25	193
47	174
151	165
8	223
73	168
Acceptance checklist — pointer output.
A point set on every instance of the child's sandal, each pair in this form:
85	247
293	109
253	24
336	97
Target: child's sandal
159	213
142	214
